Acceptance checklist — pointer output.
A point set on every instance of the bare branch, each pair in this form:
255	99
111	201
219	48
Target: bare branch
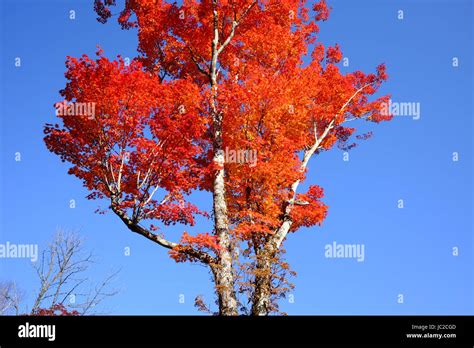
61	273
10	298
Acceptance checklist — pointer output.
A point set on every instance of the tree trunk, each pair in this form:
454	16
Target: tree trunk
261	301
263	284
223	279
223	272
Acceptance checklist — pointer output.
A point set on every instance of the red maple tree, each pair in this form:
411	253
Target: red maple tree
214	75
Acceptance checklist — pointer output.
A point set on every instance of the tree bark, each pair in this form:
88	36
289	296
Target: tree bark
223	271
261	301
223	274
263	283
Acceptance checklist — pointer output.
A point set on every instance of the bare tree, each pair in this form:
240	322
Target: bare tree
63	280
10	298
62	274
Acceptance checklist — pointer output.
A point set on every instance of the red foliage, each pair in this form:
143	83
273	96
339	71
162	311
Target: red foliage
55	310
151	135
201	242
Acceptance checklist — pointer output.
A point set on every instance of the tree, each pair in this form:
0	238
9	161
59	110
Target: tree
215	77
64	286
10	298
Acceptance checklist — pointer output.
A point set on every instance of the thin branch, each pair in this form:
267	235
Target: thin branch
235	23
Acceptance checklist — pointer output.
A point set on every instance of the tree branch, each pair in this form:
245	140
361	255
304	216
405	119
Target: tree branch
276	240
135	227
235	23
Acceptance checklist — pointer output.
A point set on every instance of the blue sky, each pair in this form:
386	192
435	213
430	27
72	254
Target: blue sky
407	251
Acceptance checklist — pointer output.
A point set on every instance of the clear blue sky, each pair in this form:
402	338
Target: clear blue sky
407	251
